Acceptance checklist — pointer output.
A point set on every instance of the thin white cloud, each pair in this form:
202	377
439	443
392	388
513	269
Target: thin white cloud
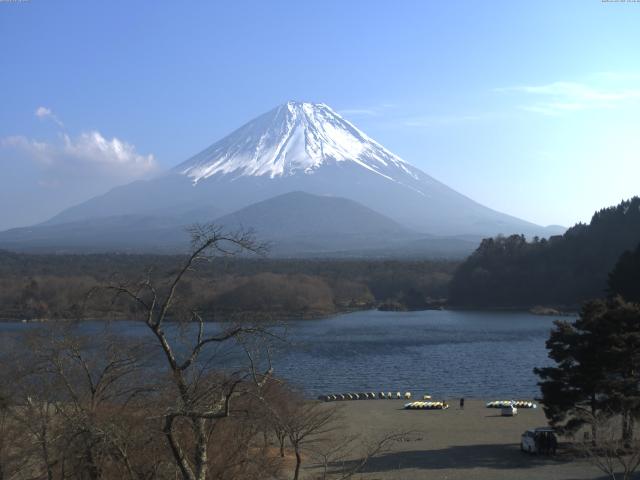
617	76
557	98
367	111
88	154
557	108
443	120
385	110
576	91
44	113
359	112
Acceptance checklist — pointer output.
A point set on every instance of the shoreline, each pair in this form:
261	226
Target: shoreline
538	311
453	444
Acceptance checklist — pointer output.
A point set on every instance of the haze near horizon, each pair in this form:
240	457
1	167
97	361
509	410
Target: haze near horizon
539	126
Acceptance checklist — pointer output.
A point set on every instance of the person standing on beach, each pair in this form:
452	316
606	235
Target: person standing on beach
462	403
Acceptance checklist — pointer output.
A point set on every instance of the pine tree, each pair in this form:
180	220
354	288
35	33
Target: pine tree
597	367
622	357
571	389
624	280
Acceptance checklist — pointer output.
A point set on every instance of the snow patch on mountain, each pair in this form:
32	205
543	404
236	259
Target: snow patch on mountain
296	137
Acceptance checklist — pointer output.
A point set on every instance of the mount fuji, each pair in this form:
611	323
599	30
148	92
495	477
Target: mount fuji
296	147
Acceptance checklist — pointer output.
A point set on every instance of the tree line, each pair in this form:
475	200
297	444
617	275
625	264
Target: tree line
562	271
53	286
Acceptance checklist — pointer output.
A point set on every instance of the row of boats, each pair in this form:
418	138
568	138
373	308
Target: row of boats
364	396
418	405
426	406
511	403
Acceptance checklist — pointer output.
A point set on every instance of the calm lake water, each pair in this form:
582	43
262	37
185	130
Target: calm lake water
444	353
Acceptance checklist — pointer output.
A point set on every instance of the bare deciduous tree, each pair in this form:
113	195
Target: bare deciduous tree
199	399
608	452
15	447
342	460
79	399
303	423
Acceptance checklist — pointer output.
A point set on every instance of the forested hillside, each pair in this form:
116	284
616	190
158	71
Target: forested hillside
563	271
54	286
624	279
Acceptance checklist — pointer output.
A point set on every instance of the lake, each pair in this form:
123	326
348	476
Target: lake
441	352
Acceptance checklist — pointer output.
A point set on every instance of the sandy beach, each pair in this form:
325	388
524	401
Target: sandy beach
474	443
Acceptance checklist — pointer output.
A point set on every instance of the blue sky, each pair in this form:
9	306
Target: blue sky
531	108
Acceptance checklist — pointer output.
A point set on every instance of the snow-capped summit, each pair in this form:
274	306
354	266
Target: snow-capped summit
301	147
296	137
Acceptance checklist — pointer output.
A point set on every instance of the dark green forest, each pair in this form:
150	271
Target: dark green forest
55	286
563	271
624	279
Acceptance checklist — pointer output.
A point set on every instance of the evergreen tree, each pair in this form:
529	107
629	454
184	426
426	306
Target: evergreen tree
571	389
621	324
624	280
597	367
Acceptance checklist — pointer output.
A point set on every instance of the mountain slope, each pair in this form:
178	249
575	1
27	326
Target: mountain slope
121	233
295	224
294	138
301	223
299	213
309	147
304	147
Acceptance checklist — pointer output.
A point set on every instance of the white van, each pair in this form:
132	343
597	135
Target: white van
528	439
509	411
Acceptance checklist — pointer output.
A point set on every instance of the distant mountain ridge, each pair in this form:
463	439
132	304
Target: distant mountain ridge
304	224
296	147
295	224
